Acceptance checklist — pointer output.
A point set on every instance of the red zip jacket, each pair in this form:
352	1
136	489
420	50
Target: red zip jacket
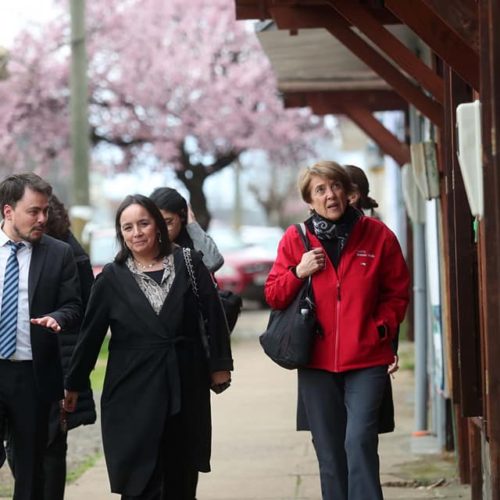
370	288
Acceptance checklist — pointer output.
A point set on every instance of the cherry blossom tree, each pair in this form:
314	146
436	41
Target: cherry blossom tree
173	84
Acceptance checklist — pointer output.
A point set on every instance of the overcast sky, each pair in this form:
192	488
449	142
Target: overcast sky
16	14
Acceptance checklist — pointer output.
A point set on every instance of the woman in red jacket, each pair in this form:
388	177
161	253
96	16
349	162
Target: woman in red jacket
361	290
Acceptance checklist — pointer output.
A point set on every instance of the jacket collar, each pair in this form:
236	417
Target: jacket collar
126	286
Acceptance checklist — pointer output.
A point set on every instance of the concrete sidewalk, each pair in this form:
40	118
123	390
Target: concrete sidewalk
258	455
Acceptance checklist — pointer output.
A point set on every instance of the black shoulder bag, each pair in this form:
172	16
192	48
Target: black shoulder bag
201	319
290	332
231	303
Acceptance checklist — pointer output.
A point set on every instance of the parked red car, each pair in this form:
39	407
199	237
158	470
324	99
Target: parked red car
248	258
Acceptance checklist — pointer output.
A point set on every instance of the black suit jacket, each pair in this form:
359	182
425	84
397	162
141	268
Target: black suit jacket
53	290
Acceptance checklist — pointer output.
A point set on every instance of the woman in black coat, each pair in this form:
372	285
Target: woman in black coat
155	405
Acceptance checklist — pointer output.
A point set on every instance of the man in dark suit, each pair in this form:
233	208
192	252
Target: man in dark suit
40	297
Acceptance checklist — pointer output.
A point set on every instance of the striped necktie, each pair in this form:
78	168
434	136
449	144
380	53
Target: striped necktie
8	320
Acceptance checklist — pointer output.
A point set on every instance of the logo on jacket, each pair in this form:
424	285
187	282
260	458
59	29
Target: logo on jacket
364	253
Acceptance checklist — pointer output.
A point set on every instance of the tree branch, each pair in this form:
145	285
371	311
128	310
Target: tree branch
96	138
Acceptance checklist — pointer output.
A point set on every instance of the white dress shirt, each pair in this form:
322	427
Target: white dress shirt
23	345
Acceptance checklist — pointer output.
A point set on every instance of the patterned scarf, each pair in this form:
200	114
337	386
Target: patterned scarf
339	230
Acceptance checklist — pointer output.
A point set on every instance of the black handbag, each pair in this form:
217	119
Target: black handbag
290	332
231	303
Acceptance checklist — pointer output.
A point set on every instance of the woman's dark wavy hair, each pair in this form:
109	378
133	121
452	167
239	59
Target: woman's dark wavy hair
360	181
171	200
58	224
152	209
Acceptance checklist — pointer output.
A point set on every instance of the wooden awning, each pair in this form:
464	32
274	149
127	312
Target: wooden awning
314	69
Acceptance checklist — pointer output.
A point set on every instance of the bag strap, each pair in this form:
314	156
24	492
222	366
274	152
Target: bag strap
301	229
186	252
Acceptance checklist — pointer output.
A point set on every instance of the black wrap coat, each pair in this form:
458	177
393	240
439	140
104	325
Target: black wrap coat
157	367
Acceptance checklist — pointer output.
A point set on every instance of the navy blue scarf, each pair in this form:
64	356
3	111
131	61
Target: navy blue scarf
333	235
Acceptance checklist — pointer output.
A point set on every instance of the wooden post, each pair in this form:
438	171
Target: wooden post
476	475
489	21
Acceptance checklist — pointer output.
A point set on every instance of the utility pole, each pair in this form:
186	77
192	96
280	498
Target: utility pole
4	59
80	143
237	214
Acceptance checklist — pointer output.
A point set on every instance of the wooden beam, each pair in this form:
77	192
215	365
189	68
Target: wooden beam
489	22
385	139
251	9
299	17
331	102
391	46
450	316
461	17
447	195
435	33
374	7
259	9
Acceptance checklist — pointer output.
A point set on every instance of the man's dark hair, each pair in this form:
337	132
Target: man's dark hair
12	188
152	209
58	223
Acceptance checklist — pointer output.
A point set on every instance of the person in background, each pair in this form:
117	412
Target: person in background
156	423
360	284
40	299
359	197
54	464
183	228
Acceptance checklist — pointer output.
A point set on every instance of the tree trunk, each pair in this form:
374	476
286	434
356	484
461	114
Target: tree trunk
194	178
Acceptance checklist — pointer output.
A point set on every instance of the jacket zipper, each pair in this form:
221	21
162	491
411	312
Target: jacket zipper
339	298
337	337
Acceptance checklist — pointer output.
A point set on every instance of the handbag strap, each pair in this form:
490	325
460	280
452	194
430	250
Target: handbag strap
186	252
301	229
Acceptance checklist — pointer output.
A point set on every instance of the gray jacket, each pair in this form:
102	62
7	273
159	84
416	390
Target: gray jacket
203	243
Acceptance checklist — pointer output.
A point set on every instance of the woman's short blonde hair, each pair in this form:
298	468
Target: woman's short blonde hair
327	169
